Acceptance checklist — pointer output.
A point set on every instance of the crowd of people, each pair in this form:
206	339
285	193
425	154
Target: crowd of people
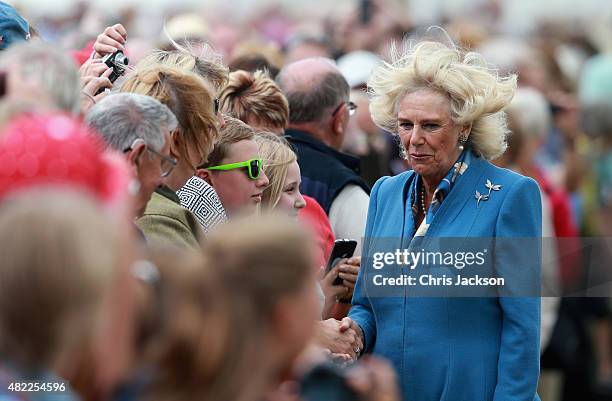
170	205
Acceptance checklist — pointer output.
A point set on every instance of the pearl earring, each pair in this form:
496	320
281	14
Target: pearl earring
462	141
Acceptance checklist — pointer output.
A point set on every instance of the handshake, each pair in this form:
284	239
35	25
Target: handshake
343	339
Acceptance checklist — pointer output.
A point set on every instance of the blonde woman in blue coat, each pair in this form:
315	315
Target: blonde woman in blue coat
448	339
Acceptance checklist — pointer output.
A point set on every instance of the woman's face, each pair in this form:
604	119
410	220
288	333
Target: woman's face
291	200
428	133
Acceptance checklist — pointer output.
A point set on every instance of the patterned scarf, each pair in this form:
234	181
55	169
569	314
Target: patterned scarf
441	192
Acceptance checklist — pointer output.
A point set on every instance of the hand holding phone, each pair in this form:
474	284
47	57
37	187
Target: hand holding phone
343	248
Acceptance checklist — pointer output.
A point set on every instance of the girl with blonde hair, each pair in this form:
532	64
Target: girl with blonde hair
283	196
283	171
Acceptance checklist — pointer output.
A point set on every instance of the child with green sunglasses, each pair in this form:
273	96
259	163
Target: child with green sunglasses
235	169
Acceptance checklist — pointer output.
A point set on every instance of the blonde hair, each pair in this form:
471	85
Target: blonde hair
256	96
186	96
477	94
277	156
207	65
59	255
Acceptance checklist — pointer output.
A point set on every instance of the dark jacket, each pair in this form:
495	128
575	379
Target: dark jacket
325	171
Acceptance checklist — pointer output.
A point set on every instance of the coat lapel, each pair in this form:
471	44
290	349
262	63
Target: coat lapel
456	206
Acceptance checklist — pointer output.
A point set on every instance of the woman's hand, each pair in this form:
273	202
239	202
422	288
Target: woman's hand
93	67
112	39
94	77
338	339
348	269
331	292
348	324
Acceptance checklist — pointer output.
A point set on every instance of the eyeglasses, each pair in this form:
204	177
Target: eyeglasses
350	106
253	166
167	163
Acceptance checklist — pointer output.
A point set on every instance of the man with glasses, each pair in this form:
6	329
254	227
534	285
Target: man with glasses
139	127
319	111
235	170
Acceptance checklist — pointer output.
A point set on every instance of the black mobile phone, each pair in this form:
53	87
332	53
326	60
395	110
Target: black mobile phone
343	248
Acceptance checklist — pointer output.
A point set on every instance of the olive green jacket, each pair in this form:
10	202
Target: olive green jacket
165	222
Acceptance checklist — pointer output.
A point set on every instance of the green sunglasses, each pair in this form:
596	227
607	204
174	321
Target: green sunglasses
253	166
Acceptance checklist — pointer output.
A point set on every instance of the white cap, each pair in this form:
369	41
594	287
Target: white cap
357	66
185	26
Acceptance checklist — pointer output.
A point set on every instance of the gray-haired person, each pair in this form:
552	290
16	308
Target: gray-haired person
42	73
138	126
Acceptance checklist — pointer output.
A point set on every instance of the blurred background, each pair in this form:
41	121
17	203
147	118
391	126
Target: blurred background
561	120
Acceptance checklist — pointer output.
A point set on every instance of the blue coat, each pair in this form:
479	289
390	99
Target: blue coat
458	348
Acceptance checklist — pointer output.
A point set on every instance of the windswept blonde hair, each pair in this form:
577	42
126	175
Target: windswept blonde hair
207	64
186	96
277	156
478	95
255	97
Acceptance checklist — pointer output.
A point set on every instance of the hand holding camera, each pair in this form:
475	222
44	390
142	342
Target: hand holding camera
98	76
110	41
94	80
118	62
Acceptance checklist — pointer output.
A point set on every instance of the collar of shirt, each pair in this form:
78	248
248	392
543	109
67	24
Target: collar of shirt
166	192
